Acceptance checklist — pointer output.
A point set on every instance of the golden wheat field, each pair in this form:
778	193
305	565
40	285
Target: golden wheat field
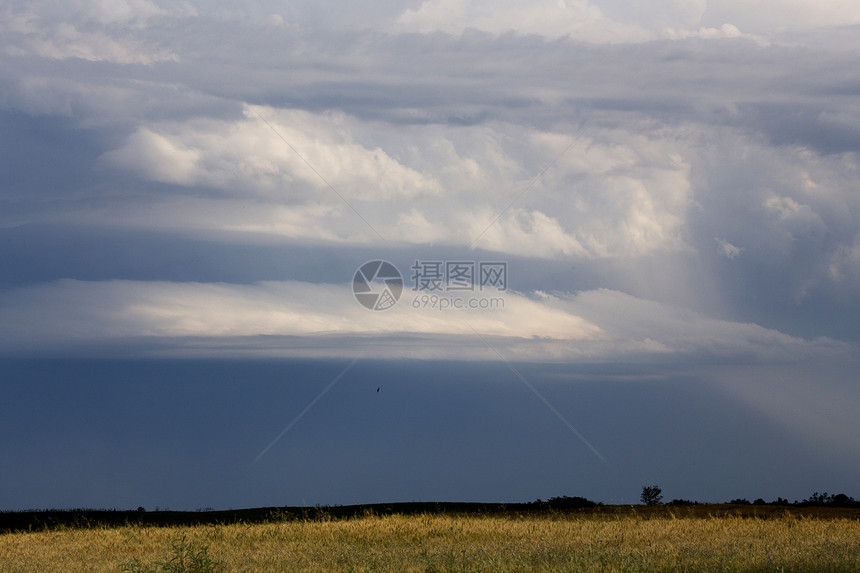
453	543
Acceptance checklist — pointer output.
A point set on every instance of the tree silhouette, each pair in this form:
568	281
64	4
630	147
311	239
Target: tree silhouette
651	495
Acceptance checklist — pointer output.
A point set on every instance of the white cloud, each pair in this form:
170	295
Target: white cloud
589	326
727	249
126	12
157	157
791	208
72	310
726	31
95	30
610	194
602	21
641	326
844	265
433	138
656	14
523	232
279	154
575	18
616	21
774	16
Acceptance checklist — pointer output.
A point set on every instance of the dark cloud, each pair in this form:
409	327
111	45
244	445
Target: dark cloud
120	433
801	126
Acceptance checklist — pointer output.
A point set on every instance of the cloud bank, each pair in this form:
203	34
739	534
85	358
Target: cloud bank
267	319
696	156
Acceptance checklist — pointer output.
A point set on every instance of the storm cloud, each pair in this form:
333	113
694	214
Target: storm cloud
670	185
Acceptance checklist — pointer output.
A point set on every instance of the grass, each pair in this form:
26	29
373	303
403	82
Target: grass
617	542
187	557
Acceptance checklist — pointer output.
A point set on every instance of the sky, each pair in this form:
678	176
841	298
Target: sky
625	242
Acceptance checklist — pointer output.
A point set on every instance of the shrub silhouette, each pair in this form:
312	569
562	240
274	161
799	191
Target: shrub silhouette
682	502
564	502
651	495
842	500
824	499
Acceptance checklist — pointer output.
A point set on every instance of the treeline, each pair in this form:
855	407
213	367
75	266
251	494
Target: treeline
814	500
37	520
653	495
